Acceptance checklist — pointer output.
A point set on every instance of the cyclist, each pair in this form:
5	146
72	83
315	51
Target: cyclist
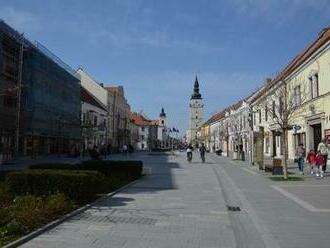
189	152
202	151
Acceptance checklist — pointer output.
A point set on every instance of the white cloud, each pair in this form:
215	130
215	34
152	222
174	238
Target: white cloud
20	20
278	12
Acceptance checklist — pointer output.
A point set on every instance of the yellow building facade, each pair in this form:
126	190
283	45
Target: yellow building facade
205	135
309	87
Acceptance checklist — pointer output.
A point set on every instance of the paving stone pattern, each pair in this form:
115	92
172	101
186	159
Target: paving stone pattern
186	205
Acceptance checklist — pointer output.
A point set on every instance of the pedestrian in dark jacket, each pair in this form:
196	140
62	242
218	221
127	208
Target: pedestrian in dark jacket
300	154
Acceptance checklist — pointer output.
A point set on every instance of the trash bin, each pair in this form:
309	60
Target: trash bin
235	155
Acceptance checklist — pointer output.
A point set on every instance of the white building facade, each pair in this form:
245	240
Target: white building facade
93	112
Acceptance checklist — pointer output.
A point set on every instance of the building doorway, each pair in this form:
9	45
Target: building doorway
317	135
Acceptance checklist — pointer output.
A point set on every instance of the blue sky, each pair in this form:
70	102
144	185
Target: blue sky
154	48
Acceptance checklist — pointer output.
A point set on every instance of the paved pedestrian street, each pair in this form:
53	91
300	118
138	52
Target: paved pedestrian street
221	203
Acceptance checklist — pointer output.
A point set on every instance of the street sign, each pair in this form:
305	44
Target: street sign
296	128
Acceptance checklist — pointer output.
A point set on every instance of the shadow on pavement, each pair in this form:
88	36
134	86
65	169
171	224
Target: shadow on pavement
161	167
114	201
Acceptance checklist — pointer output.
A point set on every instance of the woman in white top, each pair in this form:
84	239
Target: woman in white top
323	147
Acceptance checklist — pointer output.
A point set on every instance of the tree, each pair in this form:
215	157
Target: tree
235	129
224	134
284	105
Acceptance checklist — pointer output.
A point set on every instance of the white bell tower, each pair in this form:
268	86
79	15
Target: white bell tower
196	113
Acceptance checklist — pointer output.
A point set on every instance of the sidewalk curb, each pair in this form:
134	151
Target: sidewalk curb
62	219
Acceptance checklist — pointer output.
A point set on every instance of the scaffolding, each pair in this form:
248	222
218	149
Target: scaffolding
10	48
50	99
51	103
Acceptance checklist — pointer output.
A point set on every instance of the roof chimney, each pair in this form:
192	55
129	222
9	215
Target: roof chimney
268	81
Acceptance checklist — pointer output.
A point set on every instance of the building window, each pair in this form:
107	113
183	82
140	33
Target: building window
95	120
299	138
266	112
273	109
244	121
196	117
281	105
142	146
142	129
314	85
254	119
259	116
267	144
84	118
142	137
297	96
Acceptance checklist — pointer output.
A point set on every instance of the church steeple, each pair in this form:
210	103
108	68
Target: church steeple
162	113
196	94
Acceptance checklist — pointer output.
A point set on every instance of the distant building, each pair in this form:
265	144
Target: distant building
118	118
143	124
152	134
134	132
94	112
196	114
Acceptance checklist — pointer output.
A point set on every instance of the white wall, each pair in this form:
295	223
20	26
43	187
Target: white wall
196	109
93	87
143	142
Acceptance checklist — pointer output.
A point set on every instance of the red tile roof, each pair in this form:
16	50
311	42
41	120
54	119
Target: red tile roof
139	120
302	57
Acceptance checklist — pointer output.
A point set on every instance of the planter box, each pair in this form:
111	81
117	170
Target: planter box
277	167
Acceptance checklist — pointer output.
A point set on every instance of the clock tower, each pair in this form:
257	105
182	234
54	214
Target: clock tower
196	113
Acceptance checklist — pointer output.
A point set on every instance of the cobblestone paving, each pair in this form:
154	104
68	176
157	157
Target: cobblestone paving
186	205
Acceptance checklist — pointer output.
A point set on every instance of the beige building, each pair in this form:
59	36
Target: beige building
118	118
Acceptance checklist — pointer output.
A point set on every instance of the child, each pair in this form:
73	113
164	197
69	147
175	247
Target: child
311	160
319	162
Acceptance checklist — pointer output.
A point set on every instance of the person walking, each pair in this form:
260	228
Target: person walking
125	149
300	154
202	151
311	160
319	162
323	147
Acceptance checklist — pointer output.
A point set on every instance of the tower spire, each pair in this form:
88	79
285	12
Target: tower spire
196	94
162	113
